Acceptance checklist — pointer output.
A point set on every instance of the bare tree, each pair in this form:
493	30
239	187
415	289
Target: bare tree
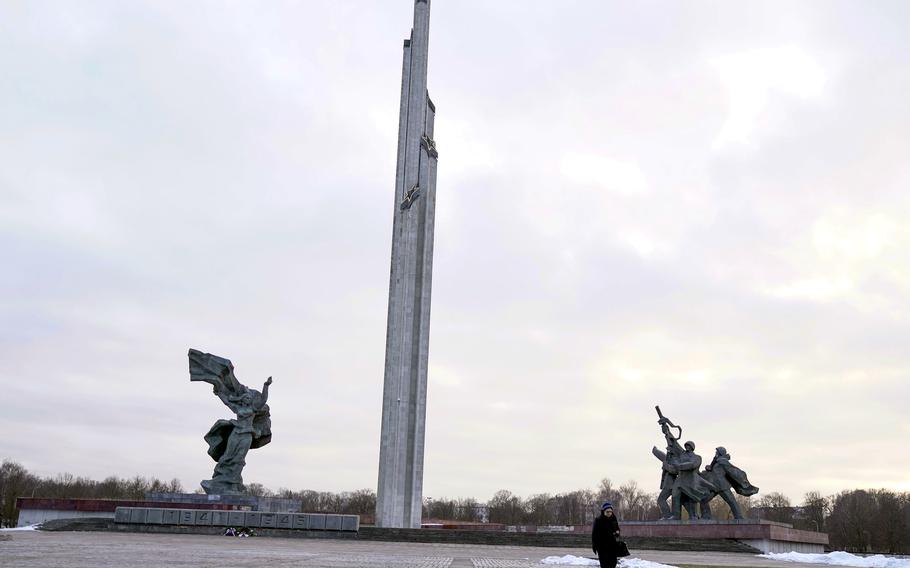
506	508
15	481
606	491
539	509
441	509
815	510
631	502
849	523
775	506
889	526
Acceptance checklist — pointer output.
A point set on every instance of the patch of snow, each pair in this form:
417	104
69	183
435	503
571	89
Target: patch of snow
639	563
569	560
841	559
27	528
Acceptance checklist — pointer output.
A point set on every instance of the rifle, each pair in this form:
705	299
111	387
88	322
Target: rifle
666	424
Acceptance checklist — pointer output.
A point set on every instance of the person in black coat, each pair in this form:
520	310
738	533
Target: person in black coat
604	536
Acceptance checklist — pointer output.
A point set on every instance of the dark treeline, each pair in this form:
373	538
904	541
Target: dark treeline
860	520
16	481
361	502
571	508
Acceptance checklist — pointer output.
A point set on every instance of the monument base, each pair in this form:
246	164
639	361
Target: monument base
244	502
189	519
34	511
766	536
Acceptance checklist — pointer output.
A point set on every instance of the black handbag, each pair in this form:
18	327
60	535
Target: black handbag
621	549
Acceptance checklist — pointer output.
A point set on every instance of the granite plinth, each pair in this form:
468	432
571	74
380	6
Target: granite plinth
35	510
767	536
245	502
250	519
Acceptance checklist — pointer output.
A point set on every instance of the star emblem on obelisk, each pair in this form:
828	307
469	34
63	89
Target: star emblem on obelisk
410	197
429	145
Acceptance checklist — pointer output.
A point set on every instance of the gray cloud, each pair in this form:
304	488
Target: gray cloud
221	177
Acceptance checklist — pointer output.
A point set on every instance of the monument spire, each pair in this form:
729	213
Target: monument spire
399	497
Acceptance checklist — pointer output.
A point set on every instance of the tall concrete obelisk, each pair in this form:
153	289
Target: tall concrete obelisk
404	401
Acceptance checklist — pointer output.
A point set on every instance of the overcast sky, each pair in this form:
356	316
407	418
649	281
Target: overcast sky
702	205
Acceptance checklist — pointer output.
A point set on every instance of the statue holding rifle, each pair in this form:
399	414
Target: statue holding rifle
668	459
682	481
688	488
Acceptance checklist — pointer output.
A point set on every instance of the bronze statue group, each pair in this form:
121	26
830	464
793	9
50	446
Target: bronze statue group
681	481
683	484
690	488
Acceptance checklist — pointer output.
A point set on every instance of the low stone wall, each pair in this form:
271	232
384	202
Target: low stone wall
33	510
573	539
245	502
29	517
744	535
767	536
552	540
687	538
250	519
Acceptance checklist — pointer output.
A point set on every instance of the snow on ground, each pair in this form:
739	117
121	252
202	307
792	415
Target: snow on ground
28	528
569	560
639	563
841	559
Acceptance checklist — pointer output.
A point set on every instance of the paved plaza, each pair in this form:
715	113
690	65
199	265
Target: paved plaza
36	549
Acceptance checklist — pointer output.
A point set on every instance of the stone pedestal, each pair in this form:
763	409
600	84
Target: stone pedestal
146	519
34	511
245	502
766	536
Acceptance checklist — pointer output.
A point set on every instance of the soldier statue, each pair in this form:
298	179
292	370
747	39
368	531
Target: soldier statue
726	476
690	488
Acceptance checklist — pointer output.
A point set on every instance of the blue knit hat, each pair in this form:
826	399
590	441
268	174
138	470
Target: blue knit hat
606	506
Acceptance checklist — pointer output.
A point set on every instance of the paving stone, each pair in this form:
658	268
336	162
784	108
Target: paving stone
361	561
501	563
220	518
154	516
251	519
299	521
350	523
285	521
236	518
44	549
333	522
122	515
203	517
315	522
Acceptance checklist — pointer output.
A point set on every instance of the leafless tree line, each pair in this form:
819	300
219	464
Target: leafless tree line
16	481
860	520
360	502
571	508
